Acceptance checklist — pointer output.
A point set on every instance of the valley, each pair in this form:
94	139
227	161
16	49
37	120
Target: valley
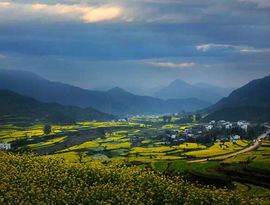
162	144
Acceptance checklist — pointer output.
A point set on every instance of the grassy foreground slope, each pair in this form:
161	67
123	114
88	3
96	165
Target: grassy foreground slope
30	179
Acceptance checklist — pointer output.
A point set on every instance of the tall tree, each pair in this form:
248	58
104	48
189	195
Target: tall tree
47	129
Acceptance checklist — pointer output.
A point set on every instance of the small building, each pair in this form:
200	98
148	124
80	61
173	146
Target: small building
235	138
181	140
209	127
5	145
228	125
212	122
190	135
244	127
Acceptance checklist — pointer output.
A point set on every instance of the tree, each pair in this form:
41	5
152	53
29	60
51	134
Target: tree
167	119
47	129
101	130
81	155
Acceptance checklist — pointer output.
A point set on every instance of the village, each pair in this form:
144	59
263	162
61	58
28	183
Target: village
214	131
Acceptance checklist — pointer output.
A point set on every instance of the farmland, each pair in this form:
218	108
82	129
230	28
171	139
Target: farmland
146	143
96	183
219	149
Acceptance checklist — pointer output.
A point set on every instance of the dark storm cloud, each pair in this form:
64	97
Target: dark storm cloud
125	43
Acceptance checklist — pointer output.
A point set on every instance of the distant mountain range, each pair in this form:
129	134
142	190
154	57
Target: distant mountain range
250	102
15	105
201	91
115	101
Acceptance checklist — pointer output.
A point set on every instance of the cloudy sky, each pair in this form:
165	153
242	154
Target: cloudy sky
137	44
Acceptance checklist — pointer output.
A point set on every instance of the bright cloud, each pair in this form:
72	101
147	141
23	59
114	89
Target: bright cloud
4	4
101	14
88	14
172	65
206	47
253	50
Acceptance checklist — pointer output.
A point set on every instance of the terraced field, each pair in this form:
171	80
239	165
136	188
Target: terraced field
48	143
258	159
218	149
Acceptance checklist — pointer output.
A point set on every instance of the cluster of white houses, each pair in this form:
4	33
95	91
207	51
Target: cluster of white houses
5	146
197	131
227	125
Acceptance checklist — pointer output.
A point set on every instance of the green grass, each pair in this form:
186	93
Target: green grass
200	168
160	166
265	166
252	190
179	167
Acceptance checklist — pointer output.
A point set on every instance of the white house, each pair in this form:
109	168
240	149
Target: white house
5	145
209	127
212	122
244	127
235	138
228	126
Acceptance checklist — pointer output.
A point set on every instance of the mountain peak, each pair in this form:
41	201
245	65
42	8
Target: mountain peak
178	81
181	89
117	90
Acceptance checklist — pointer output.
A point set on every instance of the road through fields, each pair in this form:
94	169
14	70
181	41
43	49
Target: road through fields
253	146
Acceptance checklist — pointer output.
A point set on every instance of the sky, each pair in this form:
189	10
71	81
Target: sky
139	45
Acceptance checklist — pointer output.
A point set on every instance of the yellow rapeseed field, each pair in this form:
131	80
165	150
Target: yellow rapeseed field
30	179
217	149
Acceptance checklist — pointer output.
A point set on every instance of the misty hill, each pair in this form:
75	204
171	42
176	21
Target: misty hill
250	102
115	101
220	91
249	113
182	89
255	93
15	105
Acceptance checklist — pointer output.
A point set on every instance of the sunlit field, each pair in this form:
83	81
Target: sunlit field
218	149
133	149
54	181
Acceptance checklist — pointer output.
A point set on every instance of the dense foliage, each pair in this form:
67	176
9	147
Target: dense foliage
30	179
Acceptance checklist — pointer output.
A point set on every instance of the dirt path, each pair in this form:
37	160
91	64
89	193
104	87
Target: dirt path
247	149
